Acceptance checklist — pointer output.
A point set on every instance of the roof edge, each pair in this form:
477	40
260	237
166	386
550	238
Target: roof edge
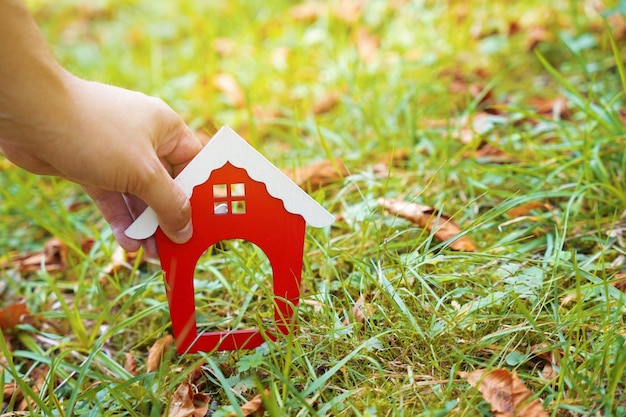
227	146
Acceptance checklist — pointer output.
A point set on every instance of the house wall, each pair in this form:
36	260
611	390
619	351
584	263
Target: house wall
266	223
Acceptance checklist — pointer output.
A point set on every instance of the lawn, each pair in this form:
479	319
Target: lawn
501	124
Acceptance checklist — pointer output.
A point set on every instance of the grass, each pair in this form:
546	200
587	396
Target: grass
445	80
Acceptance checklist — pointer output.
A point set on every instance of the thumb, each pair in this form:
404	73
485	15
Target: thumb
170	204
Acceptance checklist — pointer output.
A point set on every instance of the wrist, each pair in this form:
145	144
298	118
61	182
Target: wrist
33	86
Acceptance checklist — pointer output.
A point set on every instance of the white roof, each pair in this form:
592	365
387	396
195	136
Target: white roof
228	146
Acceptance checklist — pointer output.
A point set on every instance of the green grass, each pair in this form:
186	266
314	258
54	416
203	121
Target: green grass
539	284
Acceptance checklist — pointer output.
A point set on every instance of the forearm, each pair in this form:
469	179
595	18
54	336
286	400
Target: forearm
32	83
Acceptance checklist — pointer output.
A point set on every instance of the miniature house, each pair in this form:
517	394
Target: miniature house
235	193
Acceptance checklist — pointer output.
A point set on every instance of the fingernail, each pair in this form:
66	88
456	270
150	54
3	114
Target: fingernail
184	234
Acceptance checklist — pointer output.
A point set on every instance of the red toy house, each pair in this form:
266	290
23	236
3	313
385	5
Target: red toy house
235	194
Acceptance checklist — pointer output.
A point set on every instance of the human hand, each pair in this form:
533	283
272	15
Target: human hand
121	146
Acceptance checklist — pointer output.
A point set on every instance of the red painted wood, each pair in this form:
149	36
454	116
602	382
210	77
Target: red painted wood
266	223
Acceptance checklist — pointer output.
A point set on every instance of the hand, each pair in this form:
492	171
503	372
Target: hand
123	147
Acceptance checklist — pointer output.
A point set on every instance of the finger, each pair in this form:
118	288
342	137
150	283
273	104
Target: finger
168	201
135	205
115	211
179	148
150	248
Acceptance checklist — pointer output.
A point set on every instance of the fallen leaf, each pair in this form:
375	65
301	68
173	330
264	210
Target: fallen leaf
11	389
514	28
308	11
318	174
620	281
470	126
358	310
622	115
548	372
120	260
397	158
38	377
426	217
52	258
8	338
617	23
470	84
253	407
155	354
506	393
14	314
524	209
366	44
266	114
196	374
187	403
488	152
568	299
229	86
555	108
537	35
325	103
550	358
224	46
349	10
131	364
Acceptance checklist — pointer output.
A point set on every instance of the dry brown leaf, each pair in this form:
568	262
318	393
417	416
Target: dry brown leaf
229	86
537	35
52	258
224	46
396	158
12	390
14	314
187	403
468	83
254	407
181	404
549	372
617	23
38	377
524	209
120	260
366	44
550	359
487	151
325	103
318	174
620	281
196	374
358	310
266	114
131	364
349	10
568	299
468	127
429	218
155	354
308	11
506	393
555	108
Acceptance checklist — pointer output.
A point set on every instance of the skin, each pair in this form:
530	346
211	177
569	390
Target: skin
121	146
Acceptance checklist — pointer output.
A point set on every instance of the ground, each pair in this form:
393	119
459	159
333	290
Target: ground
506	118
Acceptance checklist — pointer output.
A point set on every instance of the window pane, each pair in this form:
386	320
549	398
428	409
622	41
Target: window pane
220	209
219	190
239	207
238	190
